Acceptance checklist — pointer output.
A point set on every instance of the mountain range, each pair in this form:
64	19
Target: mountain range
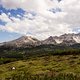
28	41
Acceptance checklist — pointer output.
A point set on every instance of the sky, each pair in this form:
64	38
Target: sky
38	18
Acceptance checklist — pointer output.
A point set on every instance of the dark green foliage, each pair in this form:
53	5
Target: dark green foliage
7	60
43	50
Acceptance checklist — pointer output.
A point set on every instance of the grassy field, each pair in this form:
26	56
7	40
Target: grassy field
47	65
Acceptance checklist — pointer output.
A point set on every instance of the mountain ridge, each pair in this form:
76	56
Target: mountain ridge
27	41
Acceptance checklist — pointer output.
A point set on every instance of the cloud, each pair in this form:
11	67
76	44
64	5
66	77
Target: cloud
39	19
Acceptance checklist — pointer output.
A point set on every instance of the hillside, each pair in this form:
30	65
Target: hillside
57	67
45	62
28	58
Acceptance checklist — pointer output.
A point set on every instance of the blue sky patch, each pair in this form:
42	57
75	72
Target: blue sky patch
76	30
32	13
17	13
3	23
8	36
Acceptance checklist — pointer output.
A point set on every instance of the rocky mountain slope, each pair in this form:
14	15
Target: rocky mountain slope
27	41
22	41
68	39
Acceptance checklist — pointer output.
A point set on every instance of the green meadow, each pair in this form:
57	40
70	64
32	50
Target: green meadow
37	68
40	63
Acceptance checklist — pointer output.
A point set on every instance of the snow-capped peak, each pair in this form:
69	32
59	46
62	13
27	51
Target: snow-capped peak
68	39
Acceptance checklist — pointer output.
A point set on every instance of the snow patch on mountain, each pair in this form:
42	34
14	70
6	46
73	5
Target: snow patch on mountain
58	41
77	39
27	41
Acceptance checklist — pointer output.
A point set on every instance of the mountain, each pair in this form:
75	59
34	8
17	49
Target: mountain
24	41
49	40
70	39
66	39
28	41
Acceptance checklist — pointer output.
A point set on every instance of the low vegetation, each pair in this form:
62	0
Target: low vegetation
40	63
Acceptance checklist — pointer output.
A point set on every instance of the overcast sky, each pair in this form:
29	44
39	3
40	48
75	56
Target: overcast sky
38	18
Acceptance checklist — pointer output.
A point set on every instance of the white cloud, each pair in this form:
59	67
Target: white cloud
45	23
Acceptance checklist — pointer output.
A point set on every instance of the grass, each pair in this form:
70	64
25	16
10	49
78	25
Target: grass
66	64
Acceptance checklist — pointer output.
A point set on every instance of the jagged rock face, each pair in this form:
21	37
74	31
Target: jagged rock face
77	38
49	40
22	41
70	38
27	41
68	42
58	40
1	44
67	39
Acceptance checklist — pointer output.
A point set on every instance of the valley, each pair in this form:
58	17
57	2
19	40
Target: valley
27	58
